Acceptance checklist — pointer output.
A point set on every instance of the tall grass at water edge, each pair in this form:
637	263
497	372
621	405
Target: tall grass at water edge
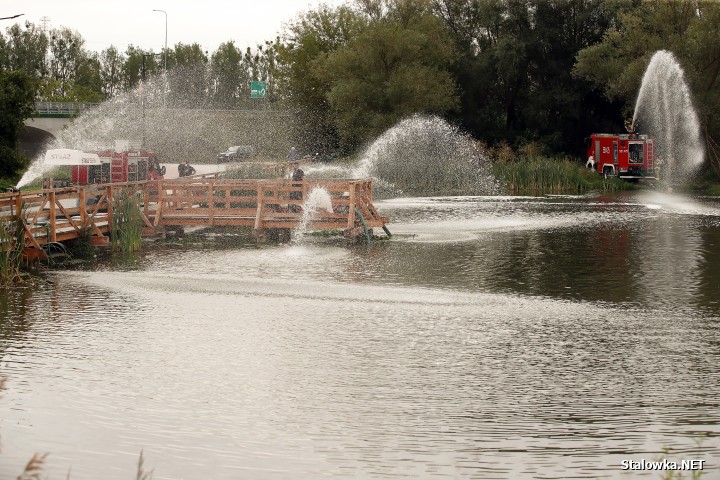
11	251
127	222
552	175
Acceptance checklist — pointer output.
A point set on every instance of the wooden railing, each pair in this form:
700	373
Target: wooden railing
57	215
263	204
60	214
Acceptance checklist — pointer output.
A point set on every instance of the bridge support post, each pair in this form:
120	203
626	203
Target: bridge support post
82	206
351	207
53	230
109	200
258	231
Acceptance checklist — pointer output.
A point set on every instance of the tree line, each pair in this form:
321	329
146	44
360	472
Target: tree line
524	73
64	70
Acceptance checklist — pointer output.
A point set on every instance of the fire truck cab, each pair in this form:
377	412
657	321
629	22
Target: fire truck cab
628	156
120	167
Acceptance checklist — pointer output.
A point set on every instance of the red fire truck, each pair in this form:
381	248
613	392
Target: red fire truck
629	156
124	166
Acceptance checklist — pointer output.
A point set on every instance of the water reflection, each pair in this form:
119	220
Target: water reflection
554	340
621	252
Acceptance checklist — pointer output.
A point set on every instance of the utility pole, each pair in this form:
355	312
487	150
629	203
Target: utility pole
165	60
45	20
142	94
142	99
143	75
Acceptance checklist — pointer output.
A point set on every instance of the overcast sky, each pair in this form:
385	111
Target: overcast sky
120	23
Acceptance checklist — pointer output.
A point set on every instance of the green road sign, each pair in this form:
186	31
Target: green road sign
257	90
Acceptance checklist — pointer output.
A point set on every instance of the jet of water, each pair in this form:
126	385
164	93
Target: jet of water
664	109
426	155
318	200
36	170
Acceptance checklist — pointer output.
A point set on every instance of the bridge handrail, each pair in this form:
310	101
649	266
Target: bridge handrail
63	108
70	108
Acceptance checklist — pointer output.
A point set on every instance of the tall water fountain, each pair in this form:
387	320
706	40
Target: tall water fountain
664	109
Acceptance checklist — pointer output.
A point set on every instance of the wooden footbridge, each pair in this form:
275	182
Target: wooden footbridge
60	214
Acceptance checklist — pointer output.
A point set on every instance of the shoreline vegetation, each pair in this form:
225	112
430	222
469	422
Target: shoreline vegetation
12	264
126	235
546	175
529	170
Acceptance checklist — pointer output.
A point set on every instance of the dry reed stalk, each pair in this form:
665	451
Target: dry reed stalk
34	467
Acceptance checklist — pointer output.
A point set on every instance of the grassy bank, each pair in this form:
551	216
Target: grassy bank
552	175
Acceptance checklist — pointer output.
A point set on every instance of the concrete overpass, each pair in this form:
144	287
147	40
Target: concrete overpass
46	122
193	134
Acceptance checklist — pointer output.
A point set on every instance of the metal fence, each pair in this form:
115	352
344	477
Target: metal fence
62	108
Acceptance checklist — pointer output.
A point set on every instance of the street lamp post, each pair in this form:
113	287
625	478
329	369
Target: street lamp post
163	11
143	76
164	57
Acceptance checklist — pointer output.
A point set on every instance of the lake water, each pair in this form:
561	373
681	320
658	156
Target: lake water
492	337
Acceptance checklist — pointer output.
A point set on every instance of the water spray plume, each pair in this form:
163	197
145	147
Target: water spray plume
188	129
664	109
425	154
318	201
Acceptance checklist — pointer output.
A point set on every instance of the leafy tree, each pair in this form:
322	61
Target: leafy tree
135	58
227	76
111	71
231	72
24	50
560	109
515	67
65	57
617	63
187	84
17	102
63	69
701	54
395	67
268	58
87	86
253	67
299	72
261	64
493	36
183	55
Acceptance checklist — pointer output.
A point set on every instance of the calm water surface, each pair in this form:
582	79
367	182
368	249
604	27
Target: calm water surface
493	337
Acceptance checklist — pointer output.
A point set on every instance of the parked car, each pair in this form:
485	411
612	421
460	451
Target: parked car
236	153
